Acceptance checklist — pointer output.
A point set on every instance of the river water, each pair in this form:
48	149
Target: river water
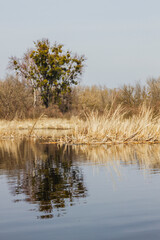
75	192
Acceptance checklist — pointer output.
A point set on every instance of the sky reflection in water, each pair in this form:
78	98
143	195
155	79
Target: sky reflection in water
96	192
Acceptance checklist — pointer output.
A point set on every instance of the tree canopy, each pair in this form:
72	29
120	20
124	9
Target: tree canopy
50	69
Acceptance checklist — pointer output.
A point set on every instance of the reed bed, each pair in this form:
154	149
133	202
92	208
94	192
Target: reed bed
114	128
39	128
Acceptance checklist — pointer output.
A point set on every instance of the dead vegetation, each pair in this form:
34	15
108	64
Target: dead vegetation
91	115
113	128
17	100
42	128
108	128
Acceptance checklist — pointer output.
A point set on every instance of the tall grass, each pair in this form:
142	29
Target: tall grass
113	128
96	115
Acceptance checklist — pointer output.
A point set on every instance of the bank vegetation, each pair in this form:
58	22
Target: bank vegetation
90	115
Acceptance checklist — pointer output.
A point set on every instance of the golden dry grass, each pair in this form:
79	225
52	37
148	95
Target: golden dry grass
113	128
110	128
41	128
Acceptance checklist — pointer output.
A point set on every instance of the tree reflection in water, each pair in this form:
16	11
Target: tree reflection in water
50	177
46	175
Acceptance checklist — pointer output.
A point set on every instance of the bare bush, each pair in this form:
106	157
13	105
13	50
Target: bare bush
15	98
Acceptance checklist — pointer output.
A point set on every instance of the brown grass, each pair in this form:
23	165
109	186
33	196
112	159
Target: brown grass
110	128
113	128
41	128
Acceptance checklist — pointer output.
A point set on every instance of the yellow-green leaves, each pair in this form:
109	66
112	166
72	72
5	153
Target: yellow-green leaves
51	69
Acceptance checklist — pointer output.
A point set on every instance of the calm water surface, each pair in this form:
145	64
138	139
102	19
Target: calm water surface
78	192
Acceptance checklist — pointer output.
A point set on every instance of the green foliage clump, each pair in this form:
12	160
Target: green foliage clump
49	69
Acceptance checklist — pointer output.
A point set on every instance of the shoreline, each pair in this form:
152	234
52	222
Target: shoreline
94	129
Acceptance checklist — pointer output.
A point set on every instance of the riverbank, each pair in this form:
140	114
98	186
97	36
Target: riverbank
109	128
33	128
113	128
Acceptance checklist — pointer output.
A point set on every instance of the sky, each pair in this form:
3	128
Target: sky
119	38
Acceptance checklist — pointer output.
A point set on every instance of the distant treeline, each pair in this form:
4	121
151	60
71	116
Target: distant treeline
17	99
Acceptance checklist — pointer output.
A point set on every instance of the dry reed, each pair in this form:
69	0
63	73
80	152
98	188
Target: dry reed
41	128
111	128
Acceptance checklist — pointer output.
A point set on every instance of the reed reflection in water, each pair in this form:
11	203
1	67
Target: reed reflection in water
44	174
145	156
50	177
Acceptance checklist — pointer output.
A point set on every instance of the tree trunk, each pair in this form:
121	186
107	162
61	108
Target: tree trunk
34	97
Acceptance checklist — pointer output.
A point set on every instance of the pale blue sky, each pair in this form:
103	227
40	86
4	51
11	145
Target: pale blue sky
120	38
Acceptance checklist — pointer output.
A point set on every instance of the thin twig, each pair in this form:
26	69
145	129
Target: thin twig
35	124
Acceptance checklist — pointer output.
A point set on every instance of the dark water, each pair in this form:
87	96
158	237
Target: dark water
77	192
